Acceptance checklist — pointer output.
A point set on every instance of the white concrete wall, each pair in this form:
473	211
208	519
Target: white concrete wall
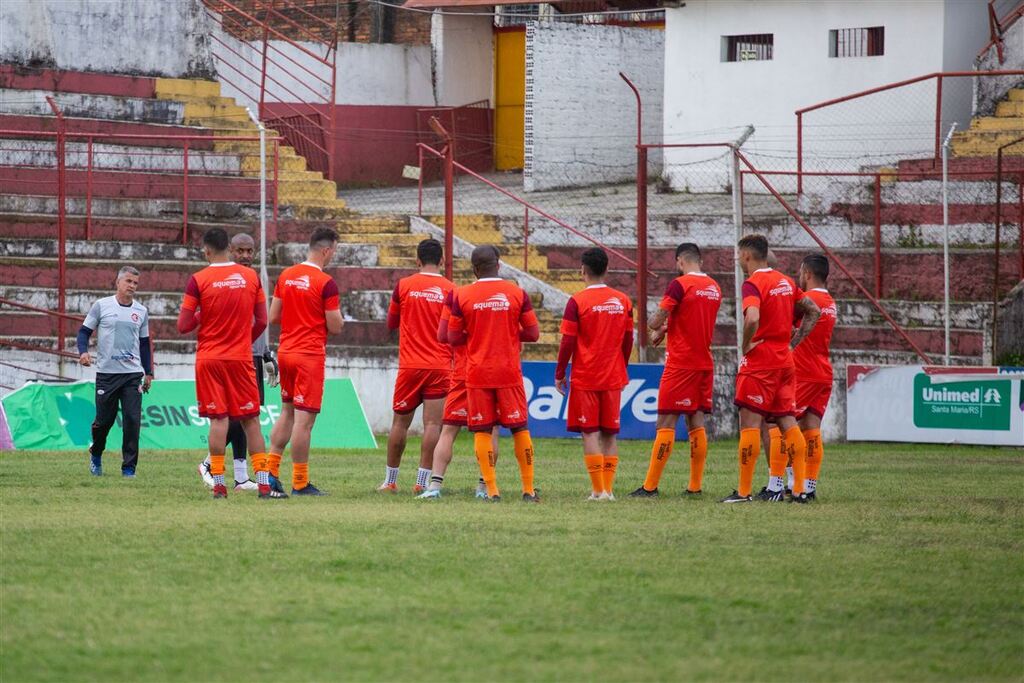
988	91
165	38
367	74
706	97
580	116
463	53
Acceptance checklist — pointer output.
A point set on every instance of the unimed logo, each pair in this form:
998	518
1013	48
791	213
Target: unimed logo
972	404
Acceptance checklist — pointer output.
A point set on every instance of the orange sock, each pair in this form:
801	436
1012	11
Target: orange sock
661	451
750	449
274	464
595	468
300	475
698	456
611	465
524	454
778	457
217	464
259	462
815	452
796	448
484	448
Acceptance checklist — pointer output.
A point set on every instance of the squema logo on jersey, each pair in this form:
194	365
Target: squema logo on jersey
611	305
233	281
498	302
781	289
973	404
432	294
302	282
709	292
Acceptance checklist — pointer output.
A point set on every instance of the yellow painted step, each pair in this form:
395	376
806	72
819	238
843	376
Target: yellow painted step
175	88
306	191
474	228
392	241
1016	95
289	164
372	226
1010	108
998	123
981	144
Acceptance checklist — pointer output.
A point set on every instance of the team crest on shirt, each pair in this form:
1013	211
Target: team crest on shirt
233	281
135	317
684	402
611	305
781	289
432	294
709	292
498	302
301	282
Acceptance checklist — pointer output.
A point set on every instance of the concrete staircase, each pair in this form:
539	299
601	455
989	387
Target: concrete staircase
987	133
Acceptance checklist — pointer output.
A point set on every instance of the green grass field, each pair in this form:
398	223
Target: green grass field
910	567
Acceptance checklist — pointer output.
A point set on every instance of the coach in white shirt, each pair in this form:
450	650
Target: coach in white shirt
124	368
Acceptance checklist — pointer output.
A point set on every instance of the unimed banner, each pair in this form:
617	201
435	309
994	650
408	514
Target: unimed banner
638	407
935	404
46	416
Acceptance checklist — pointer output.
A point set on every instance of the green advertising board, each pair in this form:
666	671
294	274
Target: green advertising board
983	404
46	416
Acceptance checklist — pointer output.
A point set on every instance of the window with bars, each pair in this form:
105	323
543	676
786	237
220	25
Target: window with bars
856	42
754	47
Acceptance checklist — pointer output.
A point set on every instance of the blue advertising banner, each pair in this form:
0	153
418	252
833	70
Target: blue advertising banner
639	406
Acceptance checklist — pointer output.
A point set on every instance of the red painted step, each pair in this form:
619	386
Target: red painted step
962	168
133	185
107	131
918	214
60	80
113	229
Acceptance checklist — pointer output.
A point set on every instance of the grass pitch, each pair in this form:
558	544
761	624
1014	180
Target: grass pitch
909	568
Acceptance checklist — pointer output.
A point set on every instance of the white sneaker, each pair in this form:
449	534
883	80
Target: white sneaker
204	474
607	496
430	494
595	496
247	485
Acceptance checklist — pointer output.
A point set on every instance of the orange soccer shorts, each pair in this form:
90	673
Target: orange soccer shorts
812	397
227	388
592	411
684	392
772	393
503	405
413	386
455	407
302	380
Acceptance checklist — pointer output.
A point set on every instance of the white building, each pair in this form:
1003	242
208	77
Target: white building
730	63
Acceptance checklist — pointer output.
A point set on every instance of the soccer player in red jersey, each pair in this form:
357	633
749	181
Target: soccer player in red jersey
597	336
455	414
813	368
424	363
765	384
491	317
307	306
686	316
226	302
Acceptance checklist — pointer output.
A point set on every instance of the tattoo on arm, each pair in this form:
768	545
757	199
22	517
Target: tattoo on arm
811	314
658	320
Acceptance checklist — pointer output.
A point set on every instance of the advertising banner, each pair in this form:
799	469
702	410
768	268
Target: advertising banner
935	404
44	416
638	407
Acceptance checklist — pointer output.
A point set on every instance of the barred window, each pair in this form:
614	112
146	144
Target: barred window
856	42
754	47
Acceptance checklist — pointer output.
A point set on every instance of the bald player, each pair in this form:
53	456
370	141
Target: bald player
491	317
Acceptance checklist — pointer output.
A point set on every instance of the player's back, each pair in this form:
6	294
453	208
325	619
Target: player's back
306	293
602	316
459	356
776	295
811	356
420	300
491	310
226	295
691	322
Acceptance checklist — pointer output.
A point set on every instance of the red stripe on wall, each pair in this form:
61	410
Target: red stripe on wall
56	80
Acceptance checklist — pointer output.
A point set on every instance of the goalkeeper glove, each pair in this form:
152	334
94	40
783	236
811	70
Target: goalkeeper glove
270	369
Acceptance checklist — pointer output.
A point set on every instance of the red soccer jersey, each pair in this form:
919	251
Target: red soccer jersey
459	352
811	355
491	311
306	293
692	302
776	295
598	317
226	295
417	302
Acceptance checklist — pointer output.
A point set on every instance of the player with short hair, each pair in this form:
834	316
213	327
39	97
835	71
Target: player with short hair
226	302
492	317
424	363
765	384
597	337
686	316
813	368
307	306
243	249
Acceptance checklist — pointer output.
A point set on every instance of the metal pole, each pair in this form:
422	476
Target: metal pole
641	251
799	153
945	235
526	239
449	192
938	115
184	195
419	183
61	228
995	261
878	236
737	221
264	278
88	191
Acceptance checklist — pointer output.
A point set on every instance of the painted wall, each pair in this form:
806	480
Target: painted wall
463	53
580	116
706	97
990	90
167	38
